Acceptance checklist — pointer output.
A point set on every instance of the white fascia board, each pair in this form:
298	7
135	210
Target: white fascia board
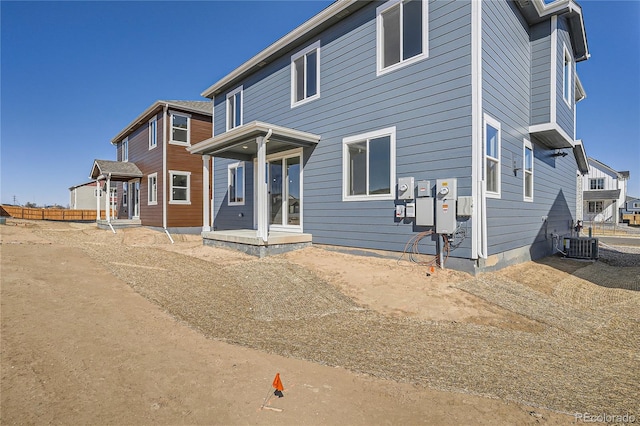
282	43
560	7
144	117
580	92
254	126
537	128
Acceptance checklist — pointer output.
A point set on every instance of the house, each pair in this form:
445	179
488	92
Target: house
604	192
83	196
376	123
159	182
632	205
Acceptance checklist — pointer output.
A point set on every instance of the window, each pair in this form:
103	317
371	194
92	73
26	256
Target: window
180	128
527	168
180	187
125	149
597	183
596	206
153	133
492	142
369	165
636	205
305	75
236	184
152	188
566	76
125	185
402	33
234	108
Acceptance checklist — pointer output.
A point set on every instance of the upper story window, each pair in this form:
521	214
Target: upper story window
597	183
125	149
236	184
566	75
305	75
492	136
153	132
234	108
527	167
402	33
369	166
180	187
180	128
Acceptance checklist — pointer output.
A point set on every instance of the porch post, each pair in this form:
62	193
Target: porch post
107	200
98	189
263	227
206	161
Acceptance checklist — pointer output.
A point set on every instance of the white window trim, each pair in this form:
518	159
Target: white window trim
596	180
230	95
188	117
179	172
314	47
595	207
389	131
380	70
125	149
488	120
155	201
153	138
231	169
527	145
566	55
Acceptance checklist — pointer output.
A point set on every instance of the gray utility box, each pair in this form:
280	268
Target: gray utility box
446	197
424	211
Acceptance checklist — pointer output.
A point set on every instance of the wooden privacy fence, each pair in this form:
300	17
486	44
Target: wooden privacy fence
18	212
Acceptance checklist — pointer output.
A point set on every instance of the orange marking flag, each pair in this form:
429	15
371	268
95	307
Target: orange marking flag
277	383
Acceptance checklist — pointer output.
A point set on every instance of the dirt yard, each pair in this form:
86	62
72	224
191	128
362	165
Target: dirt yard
100	328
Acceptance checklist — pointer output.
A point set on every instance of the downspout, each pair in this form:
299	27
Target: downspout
164	171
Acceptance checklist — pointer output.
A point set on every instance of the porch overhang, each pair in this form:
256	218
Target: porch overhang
239	143
601	195
118	171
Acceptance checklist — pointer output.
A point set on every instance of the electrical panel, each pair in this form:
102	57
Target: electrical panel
424	211
424	188
400	209
465	205
410	210
446	196
405	188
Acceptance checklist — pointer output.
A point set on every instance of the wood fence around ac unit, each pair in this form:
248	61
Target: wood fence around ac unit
18	212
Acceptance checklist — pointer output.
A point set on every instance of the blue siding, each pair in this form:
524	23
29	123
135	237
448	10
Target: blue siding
429	102
509	50
564	112
540	39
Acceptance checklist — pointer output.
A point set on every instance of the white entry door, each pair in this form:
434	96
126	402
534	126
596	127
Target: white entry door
285	191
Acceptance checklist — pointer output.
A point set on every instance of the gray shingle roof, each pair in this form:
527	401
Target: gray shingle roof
119	170
605	195
205	107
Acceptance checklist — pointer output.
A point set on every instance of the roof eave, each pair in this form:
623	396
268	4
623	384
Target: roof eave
283	43
146	115
581	157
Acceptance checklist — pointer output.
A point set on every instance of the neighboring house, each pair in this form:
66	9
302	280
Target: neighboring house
160	183
83	196
312	134
633	205
604	191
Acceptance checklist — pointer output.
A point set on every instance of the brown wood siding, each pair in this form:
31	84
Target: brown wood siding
178	159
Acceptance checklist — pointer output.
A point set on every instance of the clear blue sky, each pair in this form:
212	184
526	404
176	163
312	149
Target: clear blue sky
74	74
